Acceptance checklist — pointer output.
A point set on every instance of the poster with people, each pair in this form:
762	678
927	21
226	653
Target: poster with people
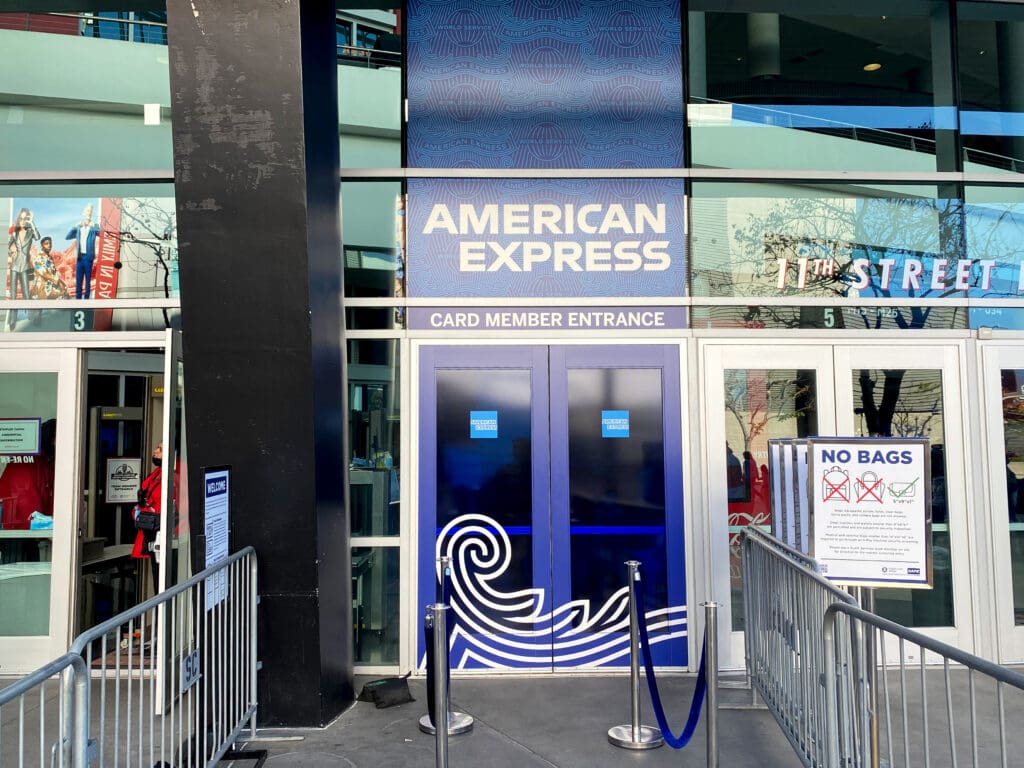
87	248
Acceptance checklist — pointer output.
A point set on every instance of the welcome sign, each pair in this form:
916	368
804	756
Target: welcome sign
546	238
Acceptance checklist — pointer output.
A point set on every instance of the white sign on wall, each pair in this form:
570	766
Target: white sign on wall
871	500
123	481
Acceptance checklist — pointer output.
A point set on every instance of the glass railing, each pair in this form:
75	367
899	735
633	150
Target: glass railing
115	25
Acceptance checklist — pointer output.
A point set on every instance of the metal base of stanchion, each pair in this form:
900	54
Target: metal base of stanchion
458	723
622	736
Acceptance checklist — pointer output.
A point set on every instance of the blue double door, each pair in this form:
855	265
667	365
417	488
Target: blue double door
542	470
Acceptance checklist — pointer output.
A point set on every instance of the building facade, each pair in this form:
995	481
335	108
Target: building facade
522	283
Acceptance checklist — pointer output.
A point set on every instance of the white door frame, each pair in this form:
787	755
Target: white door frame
996	356
64	354
949	358
23	654
717	356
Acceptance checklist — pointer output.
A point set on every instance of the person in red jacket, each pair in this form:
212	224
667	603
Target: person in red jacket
150	501
26	482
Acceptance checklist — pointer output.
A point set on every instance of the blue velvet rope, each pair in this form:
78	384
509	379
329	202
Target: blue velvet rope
676	742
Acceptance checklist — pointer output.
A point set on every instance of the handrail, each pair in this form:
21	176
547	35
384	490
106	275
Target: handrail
996	671
93	16
41	675
770	542
81	642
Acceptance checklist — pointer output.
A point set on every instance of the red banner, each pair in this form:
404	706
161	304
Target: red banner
108	253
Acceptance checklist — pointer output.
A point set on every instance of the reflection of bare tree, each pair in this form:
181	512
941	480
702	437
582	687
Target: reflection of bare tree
149	225
817	240
786	399
886	418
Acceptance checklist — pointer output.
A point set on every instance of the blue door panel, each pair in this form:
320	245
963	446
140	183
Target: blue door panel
539	483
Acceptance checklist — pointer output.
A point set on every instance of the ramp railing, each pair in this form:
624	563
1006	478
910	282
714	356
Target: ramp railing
932	704
785	599
34	714
170	682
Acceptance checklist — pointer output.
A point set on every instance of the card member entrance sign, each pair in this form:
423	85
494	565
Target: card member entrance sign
871	498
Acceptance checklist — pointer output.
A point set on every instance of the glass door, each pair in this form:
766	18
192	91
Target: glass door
915	391
799	390
542	470
38	513
753	394
1003	399
616	495
483	500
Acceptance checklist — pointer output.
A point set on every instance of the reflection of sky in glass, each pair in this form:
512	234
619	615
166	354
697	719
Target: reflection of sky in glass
53	217
996	231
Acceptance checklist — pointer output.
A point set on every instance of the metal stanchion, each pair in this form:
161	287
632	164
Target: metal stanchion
458	722
634	735
436	615
711	681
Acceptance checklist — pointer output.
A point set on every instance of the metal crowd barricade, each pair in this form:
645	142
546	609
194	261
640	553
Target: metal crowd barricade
784	600
923	712
170	682
34	724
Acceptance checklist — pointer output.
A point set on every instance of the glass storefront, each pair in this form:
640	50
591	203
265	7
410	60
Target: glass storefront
375	494
836	86
28	430
77	241
760	405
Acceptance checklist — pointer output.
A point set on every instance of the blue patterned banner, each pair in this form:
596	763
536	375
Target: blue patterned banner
544	84
544	238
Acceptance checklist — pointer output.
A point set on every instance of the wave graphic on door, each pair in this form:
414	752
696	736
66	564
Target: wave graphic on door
501	629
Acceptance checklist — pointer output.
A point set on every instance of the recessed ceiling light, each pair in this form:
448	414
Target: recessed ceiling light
872	67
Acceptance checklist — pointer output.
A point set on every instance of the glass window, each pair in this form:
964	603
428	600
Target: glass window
830	85
375	496
374	436
369	89
830	242
1013	436
78	241
28	411
759	405
373	231
994	233
375	604
92	117
990	41
908	403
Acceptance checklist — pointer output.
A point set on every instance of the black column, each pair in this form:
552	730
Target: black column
255	113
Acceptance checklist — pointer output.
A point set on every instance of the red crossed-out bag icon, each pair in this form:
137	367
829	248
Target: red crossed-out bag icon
870	487
836	485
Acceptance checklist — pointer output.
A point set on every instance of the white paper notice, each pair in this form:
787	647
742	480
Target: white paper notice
217	516
871	503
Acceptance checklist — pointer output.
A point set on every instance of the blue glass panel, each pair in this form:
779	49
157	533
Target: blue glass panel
494	84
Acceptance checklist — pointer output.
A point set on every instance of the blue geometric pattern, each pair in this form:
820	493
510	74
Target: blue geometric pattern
544	84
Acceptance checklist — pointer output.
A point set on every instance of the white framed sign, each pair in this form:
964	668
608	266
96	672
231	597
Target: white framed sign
123	481
217	527
871	501
20	436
